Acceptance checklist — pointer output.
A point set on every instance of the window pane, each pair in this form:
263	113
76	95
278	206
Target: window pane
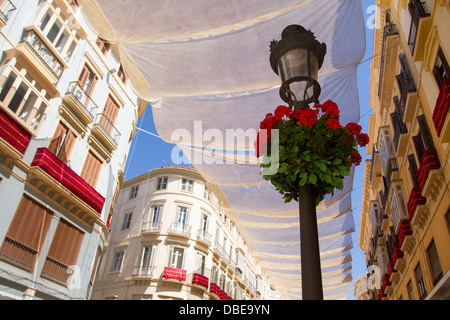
18	97
435	263
28	107
7	86
53	32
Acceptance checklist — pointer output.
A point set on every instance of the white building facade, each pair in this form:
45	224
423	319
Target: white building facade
171	238
67	117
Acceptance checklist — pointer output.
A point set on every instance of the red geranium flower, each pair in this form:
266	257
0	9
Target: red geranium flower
362	139
354	128
355	158
306	117
333	124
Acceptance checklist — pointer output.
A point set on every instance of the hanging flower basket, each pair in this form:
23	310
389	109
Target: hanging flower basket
313	149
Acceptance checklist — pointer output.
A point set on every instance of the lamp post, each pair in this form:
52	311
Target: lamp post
297	58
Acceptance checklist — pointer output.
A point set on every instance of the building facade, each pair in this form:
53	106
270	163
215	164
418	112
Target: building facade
67	117
172	239
405	217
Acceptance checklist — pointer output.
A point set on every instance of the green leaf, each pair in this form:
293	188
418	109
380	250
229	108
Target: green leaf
321	166
303	179
312	178
337	161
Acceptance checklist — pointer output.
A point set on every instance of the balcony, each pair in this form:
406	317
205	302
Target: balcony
388	56
180	229
214	289
59	182
105	137
417	211
441	119
142	272
5	11
407	91
55	271
429	166
400	130
204	237
174	274
80	108
405	239
14	138
151	227
17	254
41	56
419	28
200	280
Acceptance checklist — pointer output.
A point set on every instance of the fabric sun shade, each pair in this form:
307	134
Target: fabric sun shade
204	67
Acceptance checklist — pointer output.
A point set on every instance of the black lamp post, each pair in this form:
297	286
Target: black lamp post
297	58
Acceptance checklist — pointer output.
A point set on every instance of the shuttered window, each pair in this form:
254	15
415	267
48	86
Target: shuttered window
26	234
62	142
91	169
87	79
66	243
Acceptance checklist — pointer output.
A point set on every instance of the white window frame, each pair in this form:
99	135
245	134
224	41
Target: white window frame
118	261
173	260
126	222
187	185
182	217
134	192
387	150
161	183
397	204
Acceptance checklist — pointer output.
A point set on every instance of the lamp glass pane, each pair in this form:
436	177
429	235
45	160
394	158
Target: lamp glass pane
294	63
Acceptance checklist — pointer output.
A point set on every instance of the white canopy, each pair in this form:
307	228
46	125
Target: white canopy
204	67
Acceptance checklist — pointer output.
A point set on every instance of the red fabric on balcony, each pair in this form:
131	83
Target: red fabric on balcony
391	268
415	199
442	106
13	133
173	273
405	230
214	289
397	253
47	161
428	163
201	280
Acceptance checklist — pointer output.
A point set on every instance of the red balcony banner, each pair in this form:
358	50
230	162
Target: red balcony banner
429	162
13	133
415	199
200	280
47	161
173	273
405	230
442	106
214	289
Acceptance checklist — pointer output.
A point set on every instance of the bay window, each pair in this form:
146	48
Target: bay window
398	205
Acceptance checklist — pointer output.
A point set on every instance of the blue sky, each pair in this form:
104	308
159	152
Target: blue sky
148	151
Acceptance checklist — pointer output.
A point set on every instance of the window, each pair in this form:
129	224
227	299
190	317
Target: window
176	255
204	224
413	170
133	192
441	70
103	45
87	80
434	262
147	255
420	282
24	101
156	214
52	26
162	183
186	185
121	75
91	169
423	140
200	264
26	234
398	205
206	193
375	215
410	291
126	221
182	215
63	252
117	263
62	142
108	117
387	149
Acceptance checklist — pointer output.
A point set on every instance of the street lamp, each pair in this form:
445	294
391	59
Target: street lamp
297	58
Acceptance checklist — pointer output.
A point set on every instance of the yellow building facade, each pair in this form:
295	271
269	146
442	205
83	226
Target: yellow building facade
405	217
